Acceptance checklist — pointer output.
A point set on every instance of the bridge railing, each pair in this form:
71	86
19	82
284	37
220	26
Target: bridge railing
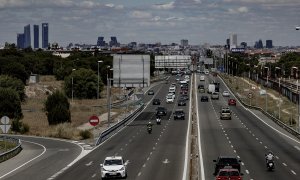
12	152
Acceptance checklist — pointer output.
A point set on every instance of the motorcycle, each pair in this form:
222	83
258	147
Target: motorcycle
158	121
149	129
270	165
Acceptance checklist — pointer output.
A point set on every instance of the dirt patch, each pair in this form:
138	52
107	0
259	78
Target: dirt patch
81	110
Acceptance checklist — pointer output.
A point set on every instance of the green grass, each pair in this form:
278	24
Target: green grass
9	145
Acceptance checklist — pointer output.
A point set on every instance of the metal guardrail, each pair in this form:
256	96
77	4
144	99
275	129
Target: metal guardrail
113	129
12	152
277	121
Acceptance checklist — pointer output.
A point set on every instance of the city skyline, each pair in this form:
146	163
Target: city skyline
198	21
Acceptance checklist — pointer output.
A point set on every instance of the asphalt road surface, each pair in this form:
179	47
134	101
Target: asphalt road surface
246	136
40	159
159	155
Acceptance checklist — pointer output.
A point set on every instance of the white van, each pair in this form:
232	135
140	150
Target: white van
172	89
202	78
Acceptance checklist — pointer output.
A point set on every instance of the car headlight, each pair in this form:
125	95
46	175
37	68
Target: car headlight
103	169
122	169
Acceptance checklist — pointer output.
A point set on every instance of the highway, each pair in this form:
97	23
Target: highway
246	136
40	158
159	155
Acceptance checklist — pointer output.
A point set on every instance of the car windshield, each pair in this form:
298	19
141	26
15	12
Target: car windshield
228	160
223	173
113	162
225	111
234	173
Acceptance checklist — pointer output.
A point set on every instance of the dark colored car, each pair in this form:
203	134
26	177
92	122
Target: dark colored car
161	111
150	92
229	173
223	161
232	102
156	102
179	114
184	91
181	102
204	98
184	96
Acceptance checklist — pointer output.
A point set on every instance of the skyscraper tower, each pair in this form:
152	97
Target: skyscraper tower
20	40
100	41
269	44
27	36
45	35
35	36
233	41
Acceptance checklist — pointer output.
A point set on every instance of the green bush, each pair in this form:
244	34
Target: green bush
24	128
85	134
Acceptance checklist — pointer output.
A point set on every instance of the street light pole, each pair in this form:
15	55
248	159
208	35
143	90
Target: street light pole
143	70
108	96
72	85
98	80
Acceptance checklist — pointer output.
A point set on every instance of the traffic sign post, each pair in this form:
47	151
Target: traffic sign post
94	120
5	126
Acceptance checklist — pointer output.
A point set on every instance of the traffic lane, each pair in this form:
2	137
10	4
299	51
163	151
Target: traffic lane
238	140
29	152
133	143
58	155
284	149
214	139
167	158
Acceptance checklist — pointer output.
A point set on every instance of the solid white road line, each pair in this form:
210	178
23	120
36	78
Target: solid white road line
27	161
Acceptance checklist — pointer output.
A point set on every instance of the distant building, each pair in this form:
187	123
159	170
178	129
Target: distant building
259	44
20	40
228	43
100	41
45	35
36	36
269	44
243	44
113	42
233	41
184	42
27	36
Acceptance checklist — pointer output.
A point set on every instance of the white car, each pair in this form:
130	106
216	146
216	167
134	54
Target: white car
113	166
202	78
170	98
226	94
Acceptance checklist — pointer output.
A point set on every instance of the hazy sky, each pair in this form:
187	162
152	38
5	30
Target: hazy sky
150	21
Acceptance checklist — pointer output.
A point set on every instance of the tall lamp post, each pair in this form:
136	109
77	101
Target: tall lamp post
294	67
98	80
108	96
266	88
73	85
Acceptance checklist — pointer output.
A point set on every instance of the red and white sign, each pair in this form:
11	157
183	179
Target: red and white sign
94	120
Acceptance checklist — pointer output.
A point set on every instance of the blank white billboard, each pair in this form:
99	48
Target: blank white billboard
173	61
131	70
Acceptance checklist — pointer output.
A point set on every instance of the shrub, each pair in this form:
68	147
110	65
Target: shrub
85	134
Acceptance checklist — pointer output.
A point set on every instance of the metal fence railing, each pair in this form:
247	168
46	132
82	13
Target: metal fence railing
12	152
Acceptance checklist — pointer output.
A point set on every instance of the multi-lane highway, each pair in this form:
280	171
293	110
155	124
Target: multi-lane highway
159	155
248	137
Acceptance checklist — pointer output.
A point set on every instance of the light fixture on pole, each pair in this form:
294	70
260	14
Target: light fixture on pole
98	80
72	85
298	97
108	96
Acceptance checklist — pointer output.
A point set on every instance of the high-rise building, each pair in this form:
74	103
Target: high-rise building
269	44
20	40
233	41
184	42
27	36
45	35
227	43
36	36
100	41
259	44
113	41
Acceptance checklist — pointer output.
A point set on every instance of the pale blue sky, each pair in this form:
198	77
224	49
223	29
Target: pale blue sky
150	21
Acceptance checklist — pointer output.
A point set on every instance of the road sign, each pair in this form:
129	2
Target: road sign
94	120
5	126
5	120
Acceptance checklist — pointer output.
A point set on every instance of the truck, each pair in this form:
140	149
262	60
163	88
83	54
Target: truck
211	88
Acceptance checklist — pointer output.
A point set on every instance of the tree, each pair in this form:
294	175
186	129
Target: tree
57	108
13	83
16	70
85	84
10	103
